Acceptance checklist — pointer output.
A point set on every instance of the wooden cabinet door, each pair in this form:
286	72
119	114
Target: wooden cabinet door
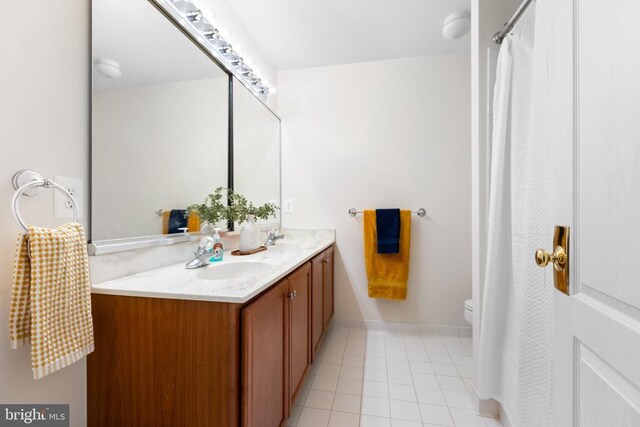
328	287
265	382
317	296
299	336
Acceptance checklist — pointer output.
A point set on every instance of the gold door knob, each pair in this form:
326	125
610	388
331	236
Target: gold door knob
558	258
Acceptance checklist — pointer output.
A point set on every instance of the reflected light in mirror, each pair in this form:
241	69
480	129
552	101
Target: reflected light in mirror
108	68
216	40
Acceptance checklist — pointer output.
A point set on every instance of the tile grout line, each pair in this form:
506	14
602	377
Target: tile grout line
347	337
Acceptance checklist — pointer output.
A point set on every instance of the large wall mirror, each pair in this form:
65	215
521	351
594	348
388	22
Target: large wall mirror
256	151
162	134
160	123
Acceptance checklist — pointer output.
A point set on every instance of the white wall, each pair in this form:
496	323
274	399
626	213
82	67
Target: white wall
163	146
385	134
256	152
44	125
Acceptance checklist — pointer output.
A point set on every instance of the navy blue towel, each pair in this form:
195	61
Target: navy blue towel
388	230
177	220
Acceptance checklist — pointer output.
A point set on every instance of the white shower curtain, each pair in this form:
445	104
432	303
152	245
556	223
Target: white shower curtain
515	357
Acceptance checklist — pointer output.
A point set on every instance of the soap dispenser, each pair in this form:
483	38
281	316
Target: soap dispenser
218	249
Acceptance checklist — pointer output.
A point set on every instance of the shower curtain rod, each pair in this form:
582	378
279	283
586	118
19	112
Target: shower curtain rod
500	35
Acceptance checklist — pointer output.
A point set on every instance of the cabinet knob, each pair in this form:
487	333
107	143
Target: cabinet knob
292	295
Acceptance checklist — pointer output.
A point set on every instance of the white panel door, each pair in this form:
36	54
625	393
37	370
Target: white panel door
594	71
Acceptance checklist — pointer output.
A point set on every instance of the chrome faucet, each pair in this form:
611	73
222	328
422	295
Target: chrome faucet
272	237
202	254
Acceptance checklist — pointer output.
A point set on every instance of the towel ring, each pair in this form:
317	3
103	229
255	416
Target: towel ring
37	181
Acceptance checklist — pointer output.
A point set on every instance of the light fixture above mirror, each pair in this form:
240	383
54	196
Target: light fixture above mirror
215	40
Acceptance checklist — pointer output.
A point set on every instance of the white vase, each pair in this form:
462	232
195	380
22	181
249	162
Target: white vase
250	235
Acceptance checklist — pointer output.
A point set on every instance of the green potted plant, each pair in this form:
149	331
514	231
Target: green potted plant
212	210
238	209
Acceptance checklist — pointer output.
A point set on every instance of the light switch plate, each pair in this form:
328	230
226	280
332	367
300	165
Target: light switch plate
288	205
62	206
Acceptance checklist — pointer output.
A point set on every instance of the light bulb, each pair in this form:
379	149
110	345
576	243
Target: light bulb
195	16
211	34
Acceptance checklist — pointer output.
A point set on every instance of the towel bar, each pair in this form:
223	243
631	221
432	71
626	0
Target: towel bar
420	212
25	180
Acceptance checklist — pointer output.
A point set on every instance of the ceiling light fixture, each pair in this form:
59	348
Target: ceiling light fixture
456	25
216	41
108	68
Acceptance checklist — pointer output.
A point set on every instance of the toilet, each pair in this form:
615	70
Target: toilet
468	311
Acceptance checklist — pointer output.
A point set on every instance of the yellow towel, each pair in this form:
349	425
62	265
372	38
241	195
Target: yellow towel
387	273
51	298
193	222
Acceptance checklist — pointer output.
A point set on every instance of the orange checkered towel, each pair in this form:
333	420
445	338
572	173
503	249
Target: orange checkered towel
51	298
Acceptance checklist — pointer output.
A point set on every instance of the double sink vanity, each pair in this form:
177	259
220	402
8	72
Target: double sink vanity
228	344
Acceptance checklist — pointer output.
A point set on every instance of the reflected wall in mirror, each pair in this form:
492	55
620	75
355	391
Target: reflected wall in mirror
256	151
160	123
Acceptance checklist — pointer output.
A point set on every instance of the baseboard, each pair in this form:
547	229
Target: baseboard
490	408
406	327
505	419
485	407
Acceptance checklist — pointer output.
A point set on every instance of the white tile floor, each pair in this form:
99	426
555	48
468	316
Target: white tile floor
387	379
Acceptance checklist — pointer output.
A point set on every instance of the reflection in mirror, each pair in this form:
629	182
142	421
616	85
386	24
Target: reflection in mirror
256	151
160	123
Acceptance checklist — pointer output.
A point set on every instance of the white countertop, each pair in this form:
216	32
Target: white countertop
176	282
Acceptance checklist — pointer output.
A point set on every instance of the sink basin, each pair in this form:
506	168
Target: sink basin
235	270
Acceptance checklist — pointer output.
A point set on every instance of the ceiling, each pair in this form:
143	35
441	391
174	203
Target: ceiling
289	34
310	33
149	49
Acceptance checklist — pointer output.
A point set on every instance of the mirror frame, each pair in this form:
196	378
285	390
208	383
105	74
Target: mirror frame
102	247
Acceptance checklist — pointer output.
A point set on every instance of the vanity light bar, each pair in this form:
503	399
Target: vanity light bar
193	20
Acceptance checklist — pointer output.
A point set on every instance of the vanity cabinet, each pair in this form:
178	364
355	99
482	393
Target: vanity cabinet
322	295
327	281
300	329
276	350
170	362
265	359
163	363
